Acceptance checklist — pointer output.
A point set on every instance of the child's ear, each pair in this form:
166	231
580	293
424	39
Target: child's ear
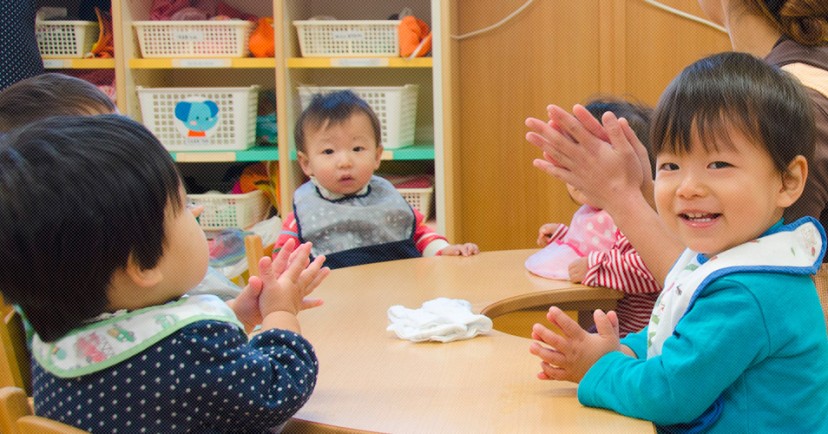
378	157
302	158
143	278
793	181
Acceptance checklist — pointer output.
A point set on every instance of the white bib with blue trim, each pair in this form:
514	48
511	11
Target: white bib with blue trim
795	249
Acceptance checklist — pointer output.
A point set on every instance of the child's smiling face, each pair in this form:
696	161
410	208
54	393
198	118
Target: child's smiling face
342	156
719	198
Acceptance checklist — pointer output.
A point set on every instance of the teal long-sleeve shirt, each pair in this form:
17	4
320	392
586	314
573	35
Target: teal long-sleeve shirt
756	340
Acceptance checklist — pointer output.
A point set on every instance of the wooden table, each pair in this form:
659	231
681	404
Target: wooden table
369	380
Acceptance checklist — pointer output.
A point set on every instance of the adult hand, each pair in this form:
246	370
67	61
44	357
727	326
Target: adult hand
606	163
569	355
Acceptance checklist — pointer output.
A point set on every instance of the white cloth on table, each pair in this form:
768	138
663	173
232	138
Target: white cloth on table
442	319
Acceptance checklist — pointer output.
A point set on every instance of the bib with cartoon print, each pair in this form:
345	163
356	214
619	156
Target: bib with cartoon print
796	248
121	335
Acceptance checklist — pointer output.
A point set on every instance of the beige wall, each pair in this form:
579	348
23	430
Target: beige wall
556	51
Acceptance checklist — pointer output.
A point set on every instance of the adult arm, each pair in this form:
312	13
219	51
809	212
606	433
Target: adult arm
610	166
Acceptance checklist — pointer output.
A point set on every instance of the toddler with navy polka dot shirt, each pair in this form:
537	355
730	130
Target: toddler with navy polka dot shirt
109	251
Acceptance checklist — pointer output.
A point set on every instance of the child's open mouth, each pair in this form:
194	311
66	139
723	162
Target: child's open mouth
699	217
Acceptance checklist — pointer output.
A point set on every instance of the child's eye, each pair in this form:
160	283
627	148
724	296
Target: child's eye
668	166
719	165
328	151
359	148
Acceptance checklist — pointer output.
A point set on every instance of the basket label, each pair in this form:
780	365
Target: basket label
359	62
187	35
347	35
56	63
201	63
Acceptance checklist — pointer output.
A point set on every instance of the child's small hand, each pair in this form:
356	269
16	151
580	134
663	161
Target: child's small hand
578	269
246	305
289	278
545	233
467	249
574	350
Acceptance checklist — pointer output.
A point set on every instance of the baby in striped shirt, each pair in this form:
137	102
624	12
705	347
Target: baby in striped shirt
592	251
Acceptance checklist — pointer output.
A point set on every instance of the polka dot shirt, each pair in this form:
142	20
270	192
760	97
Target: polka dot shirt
204	378
19	55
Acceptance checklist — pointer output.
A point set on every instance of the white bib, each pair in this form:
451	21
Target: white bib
121	335
796	248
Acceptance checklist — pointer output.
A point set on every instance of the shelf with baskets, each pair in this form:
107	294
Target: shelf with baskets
67	44
284	74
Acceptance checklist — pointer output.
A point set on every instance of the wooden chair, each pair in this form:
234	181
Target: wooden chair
40	425
821	282
15	363
253	251
16	416
14	404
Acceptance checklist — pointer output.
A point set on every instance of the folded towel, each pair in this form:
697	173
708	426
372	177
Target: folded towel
442	319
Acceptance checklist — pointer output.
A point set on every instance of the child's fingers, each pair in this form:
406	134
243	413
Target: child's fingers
283	256
606	324
310	303
554	340
550	372
569	327
589	122
317	279
265	269
312	276
254	287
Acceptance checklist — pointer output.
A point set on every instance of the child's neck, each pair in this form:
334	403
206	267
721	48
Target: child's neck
329	195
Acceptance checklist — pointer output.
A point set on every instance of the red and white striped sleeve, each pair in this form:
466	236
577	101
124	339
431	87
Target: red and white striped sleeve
427	240
289	230
620	268
559	233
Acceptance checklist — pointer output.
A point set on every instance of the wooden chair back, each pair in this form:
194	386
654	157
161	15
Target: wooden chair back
253	251
821	282
15	363
14	404
40	425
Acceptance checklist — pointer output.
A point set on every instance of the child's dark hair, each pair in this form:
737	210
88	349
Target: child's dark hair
736	90
78	196
638	115
50	94
331	109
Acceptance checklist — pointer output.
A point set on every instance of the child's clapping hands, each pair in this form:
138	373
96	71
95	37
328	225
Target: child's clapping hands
274	298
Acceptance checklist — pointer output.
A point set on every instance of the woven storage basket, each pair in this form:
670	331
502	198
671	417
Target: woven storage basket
235	128
65	39
193	39
348	38
396	108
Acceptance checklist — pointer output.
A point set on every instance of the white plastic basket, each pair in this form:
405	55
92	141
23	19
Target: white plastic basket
222	211
395	106
65	39
419	198
348	38
188	129
193	39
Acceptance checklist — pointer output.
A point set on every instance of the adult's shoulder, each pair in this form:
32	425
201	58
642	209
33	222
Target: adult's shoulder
788	51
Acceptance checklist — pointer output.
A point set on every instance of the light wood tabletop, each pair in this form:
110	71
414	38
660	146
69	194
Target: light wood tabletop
370	380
